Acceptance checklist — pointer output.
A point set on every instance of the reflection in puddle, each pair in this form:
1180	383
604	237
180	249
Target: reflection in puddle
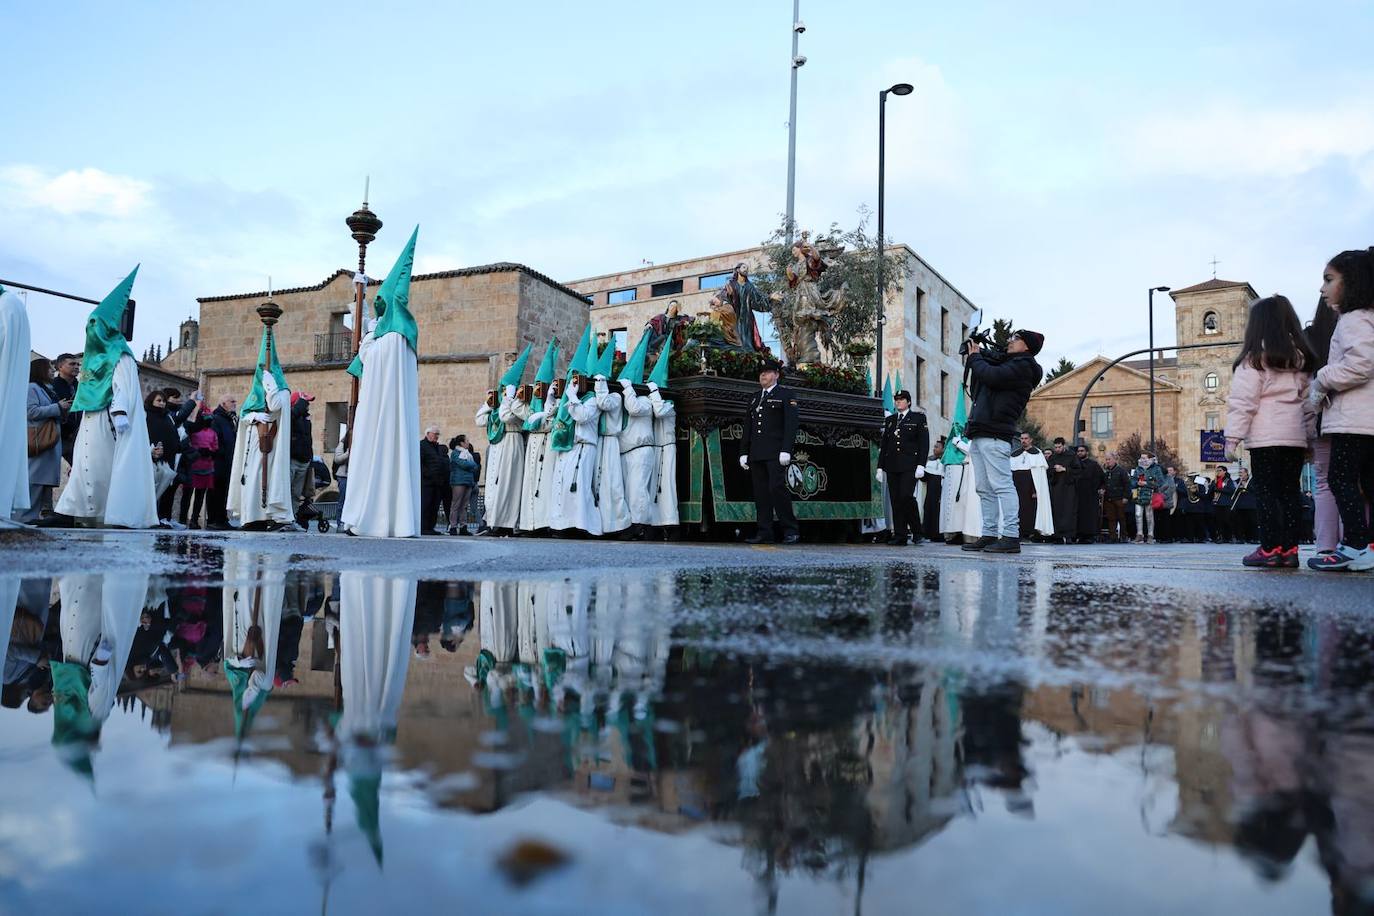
856	727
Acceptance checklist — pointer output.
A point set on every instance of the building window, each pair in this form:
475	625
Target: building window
666	288
1102	422
591	298
1213	422
1210	381
944	394
920	392
920	313
1210	324
620	337
715	281
944	330
617	296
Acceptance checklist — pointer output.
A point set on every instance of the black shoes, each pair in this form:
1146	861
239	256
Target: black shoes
758	539
791	539
981	544
898	542
1003	545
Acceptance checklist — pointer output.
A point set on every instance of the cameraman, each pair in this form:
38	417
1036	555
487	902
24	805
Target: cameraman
1000	383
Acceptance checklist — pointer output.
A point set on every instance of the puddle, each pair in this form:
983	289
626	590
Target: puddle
821	740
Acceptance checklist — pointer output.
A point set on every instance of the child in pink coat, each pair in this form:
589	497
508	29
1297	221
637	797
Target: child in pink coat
1269	411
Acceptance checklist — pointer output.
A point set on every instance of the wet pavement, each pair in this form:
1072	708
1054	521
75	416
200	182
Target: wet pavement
280	723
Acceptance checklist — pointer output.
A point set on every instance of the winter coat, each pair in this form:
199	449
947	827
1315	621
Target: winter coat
1223	493
45	469
1117	482
226	427
1145	481
162	430
1348	376
1269	407
1001	385
462	472
302	439
434	463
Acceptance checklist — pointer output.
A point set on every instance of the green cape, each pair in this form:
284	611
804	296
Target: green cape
256	402
391	305
953	455
105	344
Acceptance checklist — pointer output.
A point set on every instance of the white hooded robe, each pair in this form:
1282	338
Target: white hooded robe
665	444
577	509
537	480
384	462
14	397
245	500
610	470
505	463
640	457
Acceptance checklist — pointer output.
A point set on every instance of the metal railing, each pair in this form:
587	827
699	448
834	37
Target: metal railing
334	348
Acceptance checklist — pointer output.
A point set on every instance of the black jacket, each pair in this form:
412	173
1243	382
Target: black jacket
1116	482
1001	385
302	441
433	463
770	425
906	442
226	427
162	430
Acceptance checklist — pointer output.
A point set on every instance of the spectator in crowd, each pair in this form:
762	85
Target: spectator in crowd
166	444
1326	522
934	483
434	476
462	477
1244	517
1223	495
1146	481
1196	502
341	469
201	447
1166	517
1088	496
47	414
1063	491
1116	489
302	451
224	420
64	389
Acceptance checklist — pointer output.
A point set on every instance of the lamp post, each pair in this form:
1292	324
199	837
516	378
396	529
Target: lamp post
1154	443
797	62
364	225
899	89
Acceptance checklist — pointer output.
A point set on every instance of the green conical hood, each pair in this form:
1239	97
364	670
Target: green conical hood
579	358
548	365
105	344
634	366
365	790
606	362
256	402
238	679
889	405
517	369
391	305
953	455
660	374
897	385
74	729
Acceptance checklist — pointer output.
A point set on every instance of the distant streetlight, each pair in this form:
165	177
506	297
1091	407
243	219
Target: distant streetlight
1154	443
899	89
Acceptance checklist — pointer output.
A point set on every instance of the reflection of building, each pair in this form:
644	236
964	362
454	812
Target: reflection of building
1190	387
927	317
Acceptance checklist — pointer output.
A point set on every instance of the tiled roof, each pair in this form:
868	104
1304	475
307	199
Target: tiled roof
1161	362
497	268
1207	285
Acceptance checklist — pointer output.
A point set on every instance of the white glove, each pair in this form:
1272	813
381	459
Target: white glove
121	424
784	458
744	461
920	471
537	417
627	385
369	325
963	444
600	387
510	392
653	386
880	476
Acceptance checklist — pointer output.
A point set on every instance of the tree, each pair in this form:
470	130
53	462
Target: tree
1064	367
1128	453
852	263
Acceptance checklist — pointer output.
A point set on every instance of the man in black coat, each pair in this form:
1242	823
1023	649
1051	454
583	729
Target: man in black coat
1001	383
770	434
1088	488
224	419
434	468
901	460
64	389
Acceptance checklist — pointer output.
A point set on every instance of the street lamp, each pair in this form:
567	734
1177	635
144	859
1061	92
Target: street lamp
899	89
1154	443
364	226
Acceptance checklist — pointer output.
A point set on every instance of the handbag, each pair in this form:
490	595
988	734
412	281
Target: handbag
1157	501
43	437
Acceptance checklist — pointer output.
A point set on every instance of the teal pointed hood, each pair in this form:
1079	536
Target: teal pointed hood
634	366
105	344
548	366
578	363
660	374
256	402
606	361
517	370
889	405
391	305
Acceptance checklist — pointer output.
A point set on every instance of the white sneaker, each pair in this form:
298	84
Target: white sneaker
1363	559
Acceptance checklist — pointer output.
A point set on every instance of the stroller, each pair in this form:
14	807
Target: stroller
308	512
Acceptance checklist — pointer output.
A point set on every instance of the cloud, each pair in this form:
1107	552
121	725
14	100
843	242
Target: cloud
74	192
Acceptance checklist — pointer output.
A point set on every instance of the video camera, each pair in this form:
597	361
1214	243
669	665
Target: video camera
983	338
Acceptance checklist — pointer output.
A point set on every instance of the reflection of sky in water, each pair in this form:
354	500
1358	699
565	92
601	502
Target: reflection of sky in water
988	738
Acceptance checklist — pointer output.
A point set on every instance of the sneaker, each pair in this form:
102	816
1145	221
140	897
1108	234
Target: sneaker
1342	558
979	544
1004	545
1290	558
1260	558
453	530
1365	561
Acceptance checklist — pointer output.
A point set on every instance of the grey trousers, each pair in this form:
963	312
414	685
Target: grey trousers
996	491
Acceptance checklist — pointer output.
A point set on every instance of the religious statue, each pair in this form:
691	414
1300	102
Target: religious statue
668	328
733	308
812	311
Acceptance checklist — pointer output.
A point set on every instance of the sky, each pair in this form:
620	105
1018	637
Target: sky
1055	161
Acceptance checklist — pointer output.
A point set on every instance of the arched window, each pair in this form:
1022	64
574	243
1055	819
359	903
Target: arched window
1210	324
186	339
1210	381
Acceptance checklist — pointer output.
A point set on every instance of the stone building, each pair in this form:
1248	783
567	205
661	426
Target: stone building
927	317
1190	388
472	322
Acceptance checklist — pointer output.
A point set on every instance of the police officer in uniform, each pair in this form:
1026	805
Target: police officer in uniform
901	461
770	433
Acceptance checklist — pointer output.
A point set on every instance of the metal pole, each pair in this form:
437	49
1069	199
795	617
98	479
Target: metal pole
47	292
882	164
1152	368
792	126
364	225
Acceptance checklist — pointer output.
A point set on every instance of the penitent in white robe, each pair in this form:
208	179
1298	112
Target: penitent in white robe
253	595
245	500
537	479
96	610
505	464
640	458
576	508
610	470
665	444
384	462
958	499
112	478
14	398
1036	464
376	617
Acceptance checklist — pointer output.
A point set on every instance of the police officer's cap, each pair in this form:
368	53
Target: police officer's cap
770	365
902	395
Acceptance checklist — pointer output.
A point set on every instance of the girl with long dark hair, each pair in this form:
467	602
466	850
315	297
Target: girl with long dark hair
1269	411
1345	390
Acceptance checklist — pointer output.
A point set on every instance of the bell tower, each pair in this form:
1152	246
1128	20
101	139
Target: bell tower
1212	312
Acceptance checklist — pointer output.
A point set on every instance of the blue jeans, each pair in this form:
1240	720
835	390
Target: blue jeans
996	492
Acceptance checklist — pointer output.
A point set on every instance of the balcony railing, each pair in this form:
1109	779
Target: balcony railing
334	348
